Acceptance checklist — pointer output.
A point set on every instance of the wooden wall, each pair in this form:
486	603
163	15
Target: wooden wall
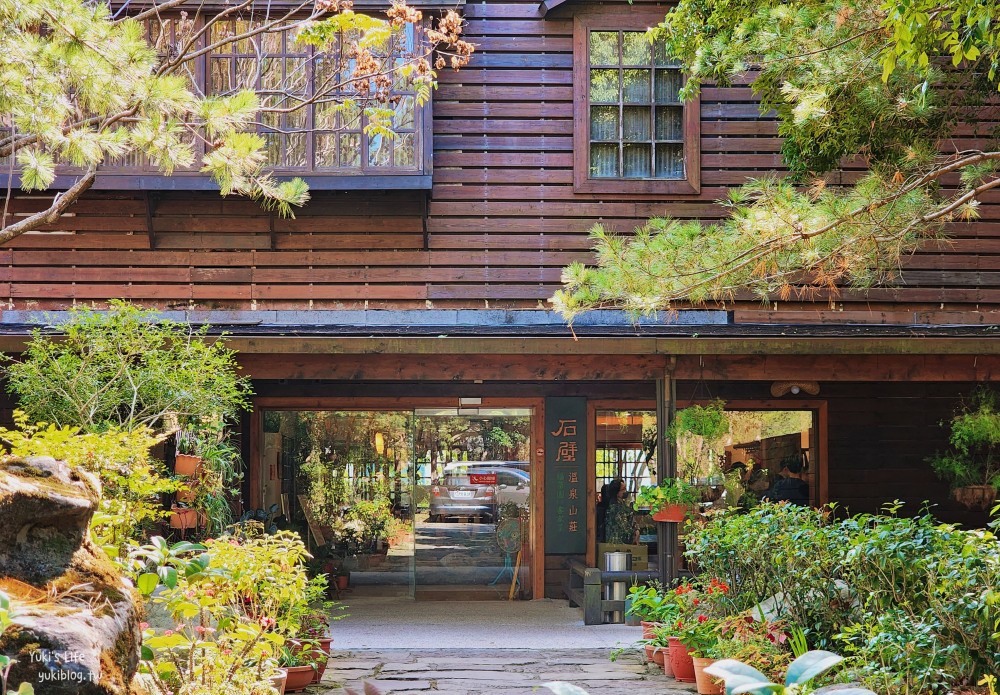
502	217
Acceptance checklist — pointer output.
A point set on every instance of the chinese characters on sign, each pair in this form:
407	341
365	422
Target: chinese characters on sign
566	511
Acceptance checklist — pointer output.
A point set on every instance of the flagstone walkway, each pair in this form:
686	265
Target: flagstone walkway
505	671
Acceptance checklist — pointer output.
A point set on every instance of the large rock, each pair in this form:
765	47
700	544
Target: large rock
75	626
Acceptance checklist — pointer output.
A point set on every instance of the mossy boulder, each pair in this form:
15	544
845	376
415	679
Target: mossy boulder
75	627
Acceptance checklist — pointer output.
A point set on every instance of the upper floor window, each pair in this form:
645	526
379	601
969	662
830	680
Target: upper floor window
633	134
314	117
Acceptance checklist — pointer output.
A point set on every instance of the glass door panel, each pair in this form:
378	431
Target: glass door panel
473	486
344	480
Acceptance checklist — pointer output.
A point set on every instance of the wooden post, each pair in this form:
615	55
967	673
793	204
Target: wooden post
592	600
666	467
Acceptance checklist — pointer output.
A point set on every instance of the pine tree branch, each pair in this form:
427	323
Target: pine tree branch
60	203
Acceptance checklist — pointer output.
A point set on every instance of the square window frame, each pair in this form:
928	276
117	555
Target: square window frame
613	19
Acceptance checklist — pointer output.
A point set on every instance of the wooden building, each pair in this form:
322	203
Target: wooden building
416	279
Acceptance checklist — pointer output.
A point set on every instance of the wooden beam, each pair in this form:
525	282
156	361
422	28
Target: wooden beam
629	345
452	367
557	368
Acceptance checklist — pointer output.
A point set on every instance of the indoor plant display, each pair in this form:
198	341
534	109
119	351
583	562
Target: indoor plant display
971	464
671	500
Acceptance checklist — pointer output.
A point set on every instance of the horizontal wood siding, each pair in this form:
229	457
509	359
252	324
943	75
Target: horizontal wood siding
501	221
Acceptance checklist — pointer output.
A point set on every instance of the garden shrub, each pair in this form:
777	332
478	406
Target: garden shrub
912	601
785	553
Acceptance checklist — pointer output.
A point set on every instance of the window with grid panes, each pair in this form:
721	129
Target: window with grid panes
636	117
633	133
328	135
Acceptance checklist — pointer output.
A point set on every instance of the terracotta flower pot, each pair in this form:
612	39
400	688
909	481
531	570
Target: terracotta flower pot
185	464
706	684
649	652
318	672
681	661
322	659
673	513
277	681
343	581
182	518
299	678
659	655
668	669
647	629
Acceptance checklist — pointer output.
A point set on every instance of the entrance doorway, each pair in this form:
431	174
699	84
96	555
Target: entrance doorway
427	503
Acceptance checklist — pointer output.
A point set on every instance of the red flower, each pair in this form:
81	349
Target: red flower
695	602
702	618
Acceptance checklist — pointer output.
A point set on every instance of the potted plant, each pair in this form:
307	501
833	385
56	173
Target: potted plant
313	635
971	465
699	636
697	432
301	665
183	518
670	501
186	461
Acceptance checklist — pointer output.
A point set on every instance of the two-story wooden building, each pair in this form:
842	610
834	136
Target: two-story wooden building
416	281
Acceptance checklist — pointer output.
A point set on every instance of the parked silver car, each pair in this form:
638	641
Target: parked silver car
474	489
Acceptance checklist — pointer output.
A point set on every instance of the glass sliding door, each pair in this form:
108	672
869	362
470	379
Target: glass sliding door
423	503
344	481
474	486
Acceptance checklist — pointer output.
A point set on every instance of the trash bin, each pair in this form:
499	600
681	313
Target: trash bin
616	591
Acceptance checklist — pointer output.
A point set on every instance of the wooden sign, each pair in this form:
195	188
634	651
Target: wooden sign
566	511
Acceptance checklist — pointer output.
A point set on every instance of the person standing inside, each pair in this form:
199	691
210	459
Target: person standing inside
619	517
791	487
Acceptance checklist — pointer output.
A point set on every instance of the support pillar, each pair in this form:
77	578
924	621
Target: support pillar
666	467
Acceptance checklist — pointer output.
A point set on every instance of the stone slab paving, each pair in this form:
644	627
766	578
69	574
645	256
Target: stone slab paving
508	672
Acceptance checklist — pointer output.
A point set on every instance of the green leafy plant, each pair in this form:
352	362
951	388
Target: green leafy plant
974	438
699	634
131	481
698	432
741	678
650	603
6	663
127	368
670	491
706	421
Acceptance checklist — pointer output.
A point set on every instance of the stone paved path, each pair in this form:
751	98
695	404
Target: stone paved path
506	671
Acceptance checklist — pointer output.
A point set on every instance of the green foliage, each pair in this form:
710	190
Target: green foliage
848	81
896	652
787	552
235	601
670	491
911	601
741	678
79	86
651	604
6	663
975	434
125	369
706	421
131	481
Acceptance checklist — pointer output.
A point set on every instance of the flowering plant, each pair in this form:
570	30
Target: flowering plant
699	634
